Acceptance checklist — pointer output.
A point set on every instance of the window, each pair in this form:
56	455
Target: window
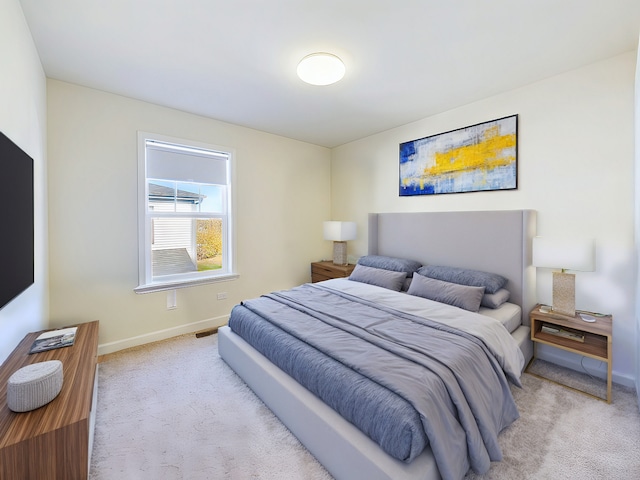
184	213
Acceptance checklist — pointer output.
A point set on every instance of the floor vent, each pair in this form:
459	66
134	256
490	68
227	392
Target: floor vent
206	333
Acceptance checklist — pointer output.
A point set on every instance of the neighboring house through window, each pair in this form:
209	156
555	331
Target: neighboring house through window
185	215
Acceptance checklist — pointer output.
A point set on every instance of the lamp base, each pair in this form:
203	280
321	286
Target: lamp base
339	253
564	293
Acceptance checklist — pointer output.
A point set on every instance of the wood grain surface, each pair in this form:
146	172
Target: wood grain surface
50	442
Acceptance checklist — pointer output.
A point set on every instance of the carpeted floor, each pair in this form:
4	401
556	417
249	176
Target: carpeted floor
563	434
175	410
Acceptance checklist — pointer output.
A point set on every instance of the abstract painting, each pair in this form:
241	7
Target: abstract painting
471	159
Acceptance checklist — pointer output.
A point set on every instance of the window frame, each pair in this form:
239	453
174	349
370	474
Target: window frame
146	283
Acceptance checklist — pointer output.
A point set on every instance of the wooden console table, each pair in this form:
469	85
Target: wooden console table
53	441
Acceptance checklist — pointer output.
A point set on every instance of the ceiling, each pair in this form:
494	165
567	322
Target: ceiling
235	60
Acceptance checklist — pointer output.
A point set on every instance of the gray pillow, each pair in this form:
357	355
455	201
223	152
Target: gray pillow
492	282
495	300
378	276
461	296
390	263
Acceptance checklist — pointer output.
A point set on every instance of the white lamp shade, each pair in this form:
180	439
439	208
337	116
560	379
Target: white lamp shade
339	231
564	253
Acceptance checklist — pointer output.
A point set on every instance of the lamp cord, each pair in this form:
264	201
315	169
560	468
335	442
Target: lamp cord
593	377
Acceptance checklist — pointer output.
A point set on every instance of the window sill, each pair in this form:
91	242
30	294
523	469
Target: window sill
172	285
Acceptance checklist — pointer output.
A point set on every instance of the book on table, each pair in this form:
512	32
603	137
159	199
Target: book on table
561	332
64	337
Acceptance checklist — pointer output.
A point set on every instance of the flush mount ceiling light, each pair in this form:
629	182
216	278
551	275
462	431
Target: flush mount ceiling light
321	69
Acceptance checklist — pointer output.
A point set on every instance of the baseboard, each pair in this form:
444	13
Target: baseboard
210	323
573	361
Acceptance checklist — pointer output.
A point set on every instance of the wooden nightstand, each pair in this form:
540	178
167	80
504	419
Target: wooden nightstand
597	337
326	270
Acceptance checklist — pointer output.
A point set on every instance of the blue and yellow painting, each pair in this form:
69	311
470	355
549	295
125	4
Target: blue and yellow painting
476	158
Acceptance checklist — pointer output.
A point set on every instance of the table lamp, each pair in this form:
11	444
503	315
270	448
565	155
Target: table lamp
339	232
566	254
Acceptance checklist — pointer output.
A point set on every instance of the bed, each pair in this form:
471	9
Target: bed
492	241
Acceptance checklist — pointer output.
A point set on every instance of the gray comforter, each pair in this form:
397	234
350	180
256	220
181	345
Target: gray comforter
455	387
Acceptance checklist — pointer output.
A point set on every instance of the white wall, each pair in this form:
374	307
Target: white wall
575	167
23	120
282	197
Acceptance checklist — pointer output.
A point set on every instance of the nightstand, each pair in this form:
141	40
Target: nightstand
591	340
326	270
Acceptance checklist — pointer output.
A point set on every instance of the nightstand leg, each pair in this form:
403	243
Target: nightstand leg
609	381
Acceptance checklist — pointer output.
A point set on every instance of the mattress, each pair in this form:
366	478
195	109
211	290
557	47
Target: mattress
508	314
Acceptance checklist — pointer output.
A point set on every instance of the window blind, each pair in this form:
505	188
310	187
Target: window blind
165	162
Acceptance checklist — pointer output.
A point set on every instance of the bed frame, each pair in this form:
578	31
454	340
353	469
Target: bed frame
494	241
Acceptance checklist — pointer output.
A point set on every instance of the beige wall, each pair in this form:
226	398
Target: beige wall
575	167
282	197
23	120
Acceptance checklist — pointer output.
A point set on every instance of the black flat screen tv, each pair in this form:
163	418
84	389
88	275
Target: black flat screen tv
16	221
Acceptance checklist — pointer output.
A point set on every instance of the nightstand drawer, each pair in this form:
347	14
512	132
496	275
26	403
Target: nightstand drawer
321	271
320	277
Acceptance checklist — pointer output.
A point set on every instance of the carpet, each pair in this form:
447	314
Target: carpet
174	410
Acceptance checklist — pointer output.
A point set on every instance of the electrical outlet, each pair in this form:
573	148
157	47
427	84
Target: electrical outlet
172	301
222	295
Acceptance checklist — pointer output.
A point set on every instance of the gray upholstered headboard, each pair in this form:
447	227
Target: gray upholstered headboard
492	241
